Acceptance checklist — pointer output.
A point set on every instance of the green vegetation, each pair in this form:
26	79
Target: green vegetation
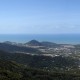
41	62
10	70
45	44
37	67
14	48
33	43
20	66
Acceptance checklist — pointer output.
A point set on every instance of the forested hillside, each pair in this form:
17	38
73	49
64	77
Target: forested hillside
10	70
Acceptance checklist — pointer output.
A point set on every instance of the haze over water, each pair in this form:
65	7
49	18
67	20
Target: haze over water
56	38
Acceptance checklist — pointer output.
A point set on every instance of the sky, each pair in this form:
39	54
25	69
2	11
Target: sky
39	16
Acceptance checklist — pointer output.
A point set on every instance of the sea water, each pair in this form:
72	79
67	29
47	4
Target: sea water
56	38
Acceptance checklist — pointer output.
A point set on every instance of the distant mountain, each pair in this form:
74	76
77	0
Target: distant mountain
45	44
13	47
34	43
7	42
50	44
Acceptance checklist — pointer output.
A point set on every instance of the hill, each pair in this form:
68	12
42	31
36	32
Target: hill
34	43
10	70
49	44
41	62
45	44
15	48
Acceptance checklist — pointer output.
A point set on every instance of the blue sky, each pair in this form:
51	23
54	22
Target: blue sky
39	16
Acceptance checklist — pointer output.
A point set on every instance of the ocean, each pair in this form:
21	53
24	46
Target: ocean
56	38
